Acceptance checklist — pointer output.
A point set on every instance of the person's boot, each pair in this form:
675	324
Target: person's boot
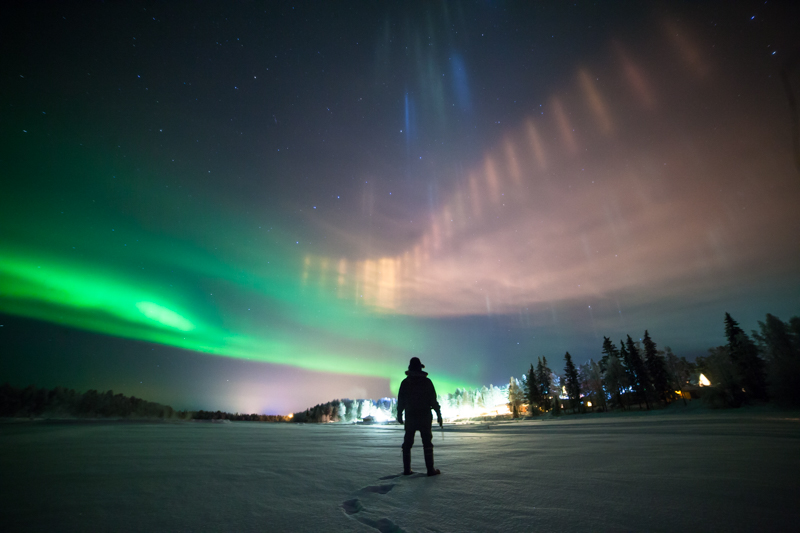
407	463
429	463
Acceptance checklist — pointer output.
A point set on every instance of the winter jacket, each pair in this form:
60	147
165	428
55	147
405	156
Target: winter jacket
417	397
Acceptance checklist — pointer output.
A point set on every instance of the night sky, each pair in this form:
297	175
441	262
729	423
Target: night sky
258	207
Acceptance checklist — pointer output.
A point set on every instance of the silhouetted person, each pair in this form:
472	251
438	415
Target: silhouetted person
416	398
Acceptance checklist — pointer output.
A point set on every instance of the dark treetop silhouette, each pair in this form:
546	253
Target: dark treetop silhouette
416	398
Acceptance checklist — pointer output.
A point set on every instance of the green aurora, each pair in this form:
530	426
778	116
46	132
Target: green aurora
256	308
261	207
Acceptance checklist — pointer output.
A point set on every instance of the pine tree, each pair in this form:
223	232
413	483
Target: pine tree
744	355
776	340
641	381
609	350
656	368
616	379
532	394
572	384
544	381
555	388
625	361
780	344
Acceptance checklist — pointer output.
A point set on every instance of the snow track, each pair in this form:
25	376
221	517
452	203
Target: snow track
355	509
724	471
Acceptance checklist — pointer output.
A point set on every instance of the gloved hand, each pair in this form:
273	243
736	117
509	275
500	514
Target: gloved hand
400	419
439	420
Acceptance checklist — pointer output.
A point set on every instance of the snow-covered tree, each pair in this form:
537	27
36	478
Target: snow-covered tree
516	396
591	379
555	387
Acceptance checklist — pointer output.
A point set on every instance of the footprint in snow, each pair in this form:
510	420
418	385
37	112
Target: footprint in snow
352	506
379	489
354	509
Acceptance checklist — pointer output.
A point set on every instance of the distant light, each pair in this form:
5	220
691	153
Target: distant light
704	381
588	404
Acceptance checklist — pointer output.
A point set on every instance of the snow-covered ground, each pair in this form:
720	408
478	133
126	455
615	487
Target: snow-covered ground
706	472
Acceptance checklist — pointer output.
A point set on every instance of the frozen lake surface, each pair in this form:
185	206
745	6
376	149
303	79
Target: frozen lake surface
710	472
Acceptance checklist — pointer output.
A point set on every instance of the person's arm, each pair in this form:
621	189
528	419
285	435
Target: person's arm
401	403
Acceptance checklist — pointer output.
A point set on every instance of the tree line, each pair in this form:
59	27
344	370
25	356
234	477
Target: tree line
761	367
236	417
36	402
634	374
347	410
32	402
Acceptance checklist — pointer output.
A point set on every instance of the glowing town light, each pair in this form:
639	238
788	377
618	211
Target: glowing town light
588	404
381	417
704	381
465	412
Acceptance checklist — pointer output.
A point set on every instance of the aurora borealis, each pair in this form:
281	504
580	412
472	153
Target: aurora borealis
262	207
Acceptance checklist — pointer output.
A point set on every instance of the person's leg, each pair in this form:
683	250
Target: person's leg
408	439
427	445
426	433
408	442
